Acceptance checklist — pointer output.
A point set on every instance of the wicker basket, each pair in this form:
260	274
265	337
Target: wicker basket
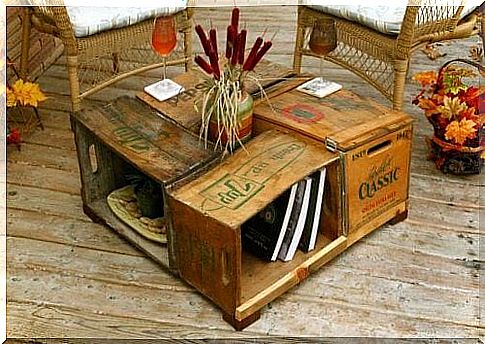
452	158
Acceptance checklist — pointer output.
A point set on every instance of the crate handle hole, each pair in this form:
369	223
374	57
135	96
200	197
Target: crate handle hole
225	269
93	158
379	147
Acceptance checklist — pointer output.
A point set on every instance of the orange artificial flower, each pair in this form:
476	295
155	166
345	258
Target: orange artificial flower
28	93
460	131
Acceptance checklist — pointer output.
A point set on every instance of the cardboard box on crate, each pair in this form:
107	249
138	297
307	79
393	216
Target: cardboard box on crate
209	212
374	143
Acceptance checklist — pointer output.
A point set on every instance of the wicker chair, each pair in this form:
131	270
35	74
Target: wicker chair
97	60
383	59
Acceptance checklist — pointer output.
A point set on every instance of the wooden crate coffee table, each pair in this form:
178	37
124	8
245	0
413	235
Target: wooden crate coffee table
366	154
367	186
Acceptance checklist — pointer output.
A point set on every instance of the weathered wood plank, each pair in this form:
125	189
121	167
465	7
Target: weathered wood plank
44	177
44	156
158	305
42	320
183	307
45	201
443	214
68	231
53	137
54	118
435	241
106	267
444	190
411	266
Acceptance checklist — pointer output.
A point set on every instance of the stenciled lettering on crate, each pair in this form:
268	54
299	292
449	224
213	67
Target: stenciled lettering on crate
234	189
379	178
374	143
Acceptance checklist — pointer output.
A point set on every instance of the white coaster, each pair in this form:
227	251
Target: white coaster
319	87
164	89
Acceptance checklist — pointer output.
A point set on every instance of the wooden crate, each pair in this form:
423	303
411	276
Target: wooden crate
127	133
374	142
181	109
208	214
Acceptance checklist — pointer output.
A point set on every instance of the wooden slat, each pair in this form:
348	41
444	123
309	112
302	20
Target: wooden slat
52	137
45	201
271	157
41	319
44	177
300	268
67	231
157	147
44	156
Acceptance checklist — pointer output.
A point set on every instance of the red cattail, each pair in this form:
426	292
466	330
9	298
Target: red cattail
203	39
214	61
242	46
229	43
213	39
235	18
252	53
235	50
203	64
260	54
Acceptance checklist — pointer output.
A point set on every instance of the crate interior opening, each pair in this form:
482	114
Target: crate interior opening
133	195
298	224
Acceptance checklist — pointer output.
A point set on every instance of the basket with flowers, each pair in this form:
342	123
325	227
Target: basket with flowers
453	108
226	108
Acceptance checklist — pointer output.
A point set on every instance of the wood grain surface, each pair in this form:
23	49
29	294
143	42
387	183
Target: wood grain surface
68	277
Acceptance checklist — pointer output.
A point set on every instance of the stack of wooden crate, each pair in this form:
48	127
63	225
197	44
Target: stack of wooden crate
364	147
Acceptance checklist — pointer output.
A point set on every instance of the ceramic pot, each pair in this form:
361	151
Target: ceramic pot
244	120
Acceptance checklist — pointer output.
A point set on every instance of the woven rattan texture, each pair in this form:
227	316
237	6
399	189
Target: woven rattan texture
383	60
95	61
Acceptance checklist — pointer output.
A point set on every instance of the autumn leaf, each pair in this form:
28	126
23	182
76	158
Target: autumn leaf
426	78
28	93
452	79
432	52
460	131
429	106
451	107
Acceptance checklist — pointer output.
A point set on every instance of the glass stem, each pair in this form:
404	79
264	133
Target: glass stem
164	68
321	68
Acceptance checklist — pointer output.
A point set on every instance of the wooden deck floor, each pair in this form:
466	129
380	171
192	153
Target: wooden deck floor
69	277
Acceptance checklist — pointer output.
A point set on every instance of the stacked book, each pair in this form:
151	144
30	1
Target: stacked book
289	223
